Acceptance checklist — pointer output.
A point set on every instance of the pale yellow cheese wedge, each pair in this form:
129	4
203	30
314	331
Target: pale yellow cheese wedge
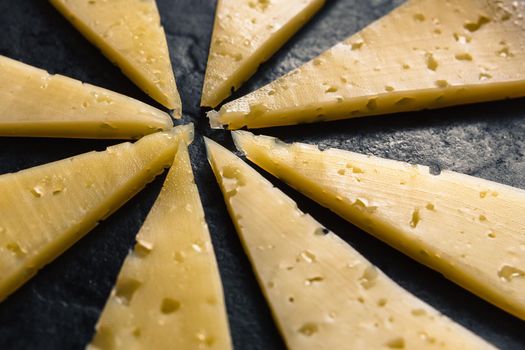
469	229
168	294
45	209
323	293
130	34
424	54
245	34
35	103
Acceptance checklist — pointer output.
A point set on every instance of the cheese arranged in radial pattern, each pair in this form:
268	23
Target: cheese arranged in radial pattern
323	293
425	54
35	103
247	33
45	209
469	229
168	294
129	33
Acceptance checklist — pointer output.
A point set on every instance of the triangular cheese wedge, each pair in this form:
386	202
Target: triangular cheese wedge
129	33
469	229
425	54
45	209
323	293
35	103
245	34
168	294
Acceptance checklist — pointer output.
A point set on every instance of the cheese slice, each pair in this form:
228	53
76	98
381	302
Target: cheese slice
45	209
168	294
469	229
245	34
323	293
130	34
424	54
35	103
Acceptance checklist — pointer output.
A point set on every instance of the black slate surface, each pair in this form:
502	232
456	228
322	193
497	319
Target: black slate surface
59	307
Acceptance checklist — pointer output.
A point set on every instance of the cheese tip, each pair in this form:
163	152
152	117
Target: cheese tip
213	116
239	136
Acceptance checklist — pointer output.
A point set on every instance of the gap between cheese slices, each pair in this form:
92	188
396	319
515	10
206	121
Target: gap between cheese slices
424	54
35	103
246	34
469	229
323	293
168	294
46	209
129	34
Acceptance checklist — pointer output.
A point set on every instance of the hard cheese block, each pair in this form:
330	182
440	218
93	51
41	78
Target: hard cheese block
45	209
247	33
469	229
129	33
323	293
168	294
425	54
35	103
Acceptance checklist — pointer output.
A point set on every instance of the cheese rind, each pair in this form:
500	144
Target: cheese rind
245	34
322	292
35	103
176	301
469	229
424	54
130	34
46	209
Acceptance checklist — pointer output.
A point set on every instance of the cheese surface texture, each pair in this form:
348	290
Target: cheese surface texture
46	209
168	294
130	34
469	229
323	293
247	33
35	103
424	54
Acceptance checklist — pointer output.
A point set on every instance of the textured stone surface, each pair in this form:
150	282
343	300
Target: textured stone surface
59	307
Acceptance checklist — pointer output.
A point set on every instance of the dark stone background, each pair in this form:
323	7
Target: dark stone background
59	307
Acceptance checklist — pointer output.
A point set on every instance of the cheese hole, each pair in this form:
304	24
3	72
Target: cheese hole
312	280
507	273
418	312
372	104
416	218
361	300
389	88
396	343
142	249
474	26
307	256
368	279
291	299
331	89
419	17
430	206
308	329
432	64
464	56
482	218
381	302
484	76
405	101
15	249
321	231
104	339
491	234
341	171
125	289
136	333
169	306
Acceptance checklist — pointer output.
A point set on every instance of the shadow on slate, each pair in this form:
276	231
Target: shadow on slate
59	307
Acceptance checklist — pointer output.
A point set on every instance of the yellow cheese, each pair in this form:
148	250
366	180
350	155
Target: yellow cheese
34	103
425	54
168	294
45	209
129	33
323	293
469	229
247	33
